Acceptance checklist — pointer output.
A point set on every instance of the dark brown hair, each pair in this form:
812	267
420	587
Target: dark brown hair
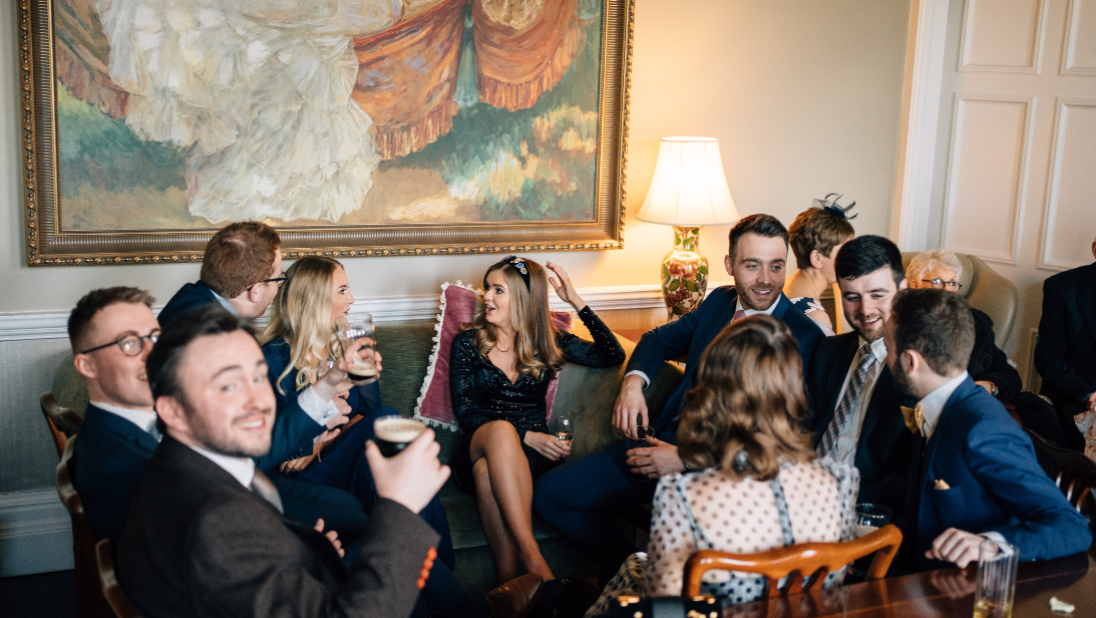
162	364
748	396
95	301
766	226
817	229
535	338
238	256
937	324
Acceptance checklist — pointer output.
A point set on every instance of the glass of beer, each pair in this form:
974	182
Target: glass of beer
996	580
358	328
565	429
871	517
393	433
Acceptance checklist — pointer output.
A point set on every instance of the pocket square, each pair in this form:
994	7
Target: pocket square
940	485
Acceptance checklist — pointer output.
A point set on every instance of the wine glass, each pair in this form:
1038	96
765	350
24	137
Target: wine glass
358	328
871	517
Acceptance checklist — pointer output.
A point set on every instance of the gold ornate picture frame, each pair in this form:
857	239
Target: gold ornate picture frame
488	127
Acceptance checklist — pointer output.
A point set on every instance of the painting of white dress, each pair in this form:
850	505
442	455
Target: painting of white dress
188	114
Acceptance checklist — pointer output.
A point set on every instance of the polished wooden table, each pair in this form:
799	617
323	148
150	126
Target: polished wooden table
943	593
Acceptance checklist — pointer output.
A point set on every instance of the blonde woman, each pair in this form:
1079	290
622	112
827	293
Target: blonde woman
500	369
756	484
296	343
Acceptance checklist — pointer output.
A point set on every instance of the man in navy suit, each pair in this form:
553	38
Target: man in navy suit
241	270
855	414
1066	352
579	498
111	331
976	476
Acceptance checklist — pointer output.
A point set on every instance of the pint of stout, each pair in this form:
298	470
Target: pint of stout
394	433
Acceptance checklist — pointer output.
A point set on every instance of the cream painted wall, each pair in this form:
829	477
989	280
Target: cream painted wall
803	95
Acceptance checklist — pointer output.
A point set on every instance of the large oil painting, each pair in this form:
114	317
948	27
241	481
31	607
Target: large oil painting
356	127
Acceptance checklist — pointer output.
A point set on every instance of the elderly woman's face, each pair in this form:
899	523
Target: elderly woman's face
940	273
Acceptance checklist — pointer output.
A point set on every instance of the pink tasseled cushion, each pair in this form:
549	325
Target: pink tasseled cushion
458	306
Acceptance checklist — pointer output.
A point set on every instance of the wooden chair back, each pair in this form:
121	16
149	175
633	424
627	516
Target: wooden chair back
1072	472
89	598
804	565
116	598
63	423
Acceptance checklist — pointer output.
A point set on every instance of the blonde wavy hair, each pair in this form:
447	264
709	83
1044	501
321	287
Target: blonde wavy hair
748	398
535	338
301	314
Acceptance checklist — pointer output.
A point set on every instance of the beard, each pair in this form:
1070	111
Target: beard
223	441
902	381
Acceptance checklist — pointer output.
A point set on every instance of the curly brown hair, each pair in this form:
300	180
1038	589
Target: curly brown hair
748	396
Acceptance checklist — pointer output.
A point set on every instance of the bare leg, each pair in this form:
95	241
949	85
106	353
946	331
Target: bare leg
503	546
512	488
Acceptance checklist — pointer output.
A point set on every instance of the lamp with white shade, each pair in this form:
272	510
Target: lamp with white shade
689	191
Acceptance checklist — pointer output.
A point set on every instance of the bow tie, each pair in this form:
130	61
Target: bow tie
915	421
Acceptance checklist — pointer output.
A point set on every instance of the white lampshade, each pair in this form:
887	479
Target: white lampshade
689	188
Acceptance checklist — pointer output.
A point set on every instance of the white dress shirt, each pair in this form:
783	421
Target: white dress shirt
845	451
738	307
224	303
146	421
932	405
241	468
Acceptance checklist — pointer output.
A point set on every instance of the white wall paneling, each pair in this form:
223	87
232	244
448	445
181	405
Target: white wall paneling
1070	208
1079	46
987	174
35	533
1003	36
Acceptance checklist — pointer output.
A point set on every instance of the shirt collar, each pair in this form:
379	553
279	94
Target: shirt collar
145	421
241	468
932	405
749	312
878	349
224	303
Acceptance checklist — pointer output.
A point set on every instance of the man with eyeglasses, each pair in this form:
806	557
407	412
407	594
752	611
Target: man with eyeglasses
112	331
989	366
241	270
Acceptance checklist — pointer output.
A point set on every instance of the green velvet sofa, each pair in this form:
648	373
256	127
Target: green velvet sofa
586	394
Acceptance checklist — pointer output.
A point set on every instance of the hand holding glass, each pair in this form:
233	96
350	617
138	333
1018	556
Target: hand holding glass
362	368
565	431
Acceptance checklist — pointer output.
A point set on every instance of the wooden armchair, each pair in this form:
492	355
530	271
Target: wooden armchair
116	598
1072	472
63	423
814	560
89	600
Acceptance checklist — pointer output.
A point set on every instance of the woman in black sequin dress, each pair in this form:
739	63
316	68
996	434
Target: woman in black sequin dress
500	369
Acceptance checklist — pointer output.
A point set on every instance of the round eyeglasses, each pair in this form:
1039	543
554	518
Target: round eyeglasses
940	284
130	345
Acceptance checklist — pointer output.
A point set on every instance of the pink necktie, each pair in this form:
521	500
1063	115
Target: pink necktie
738	315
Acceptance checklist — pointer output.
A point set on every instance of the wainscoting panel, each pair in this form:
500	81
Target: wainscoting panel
35	533
1071	195
1079	46
987	175
1003	36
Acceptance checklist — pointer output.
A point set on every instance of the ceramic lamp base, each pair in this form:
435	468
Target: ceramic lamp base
684	273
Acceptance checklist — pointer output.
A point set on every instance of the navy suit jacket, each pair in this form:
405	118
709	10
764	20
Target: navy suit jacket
293	428
110	457
1066	352
995	483
190	296
695	330
883	449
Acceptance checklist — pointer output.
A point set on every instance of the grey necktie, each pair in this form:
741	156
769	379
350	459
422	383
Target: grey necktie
848	402
266	490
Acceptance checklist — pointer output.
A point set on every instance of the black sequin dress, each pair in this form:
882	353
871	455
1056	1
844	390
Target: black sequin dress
482	393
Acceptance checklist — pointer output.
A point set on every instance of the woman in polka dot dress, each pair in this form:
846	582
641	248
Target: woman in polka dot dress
754	485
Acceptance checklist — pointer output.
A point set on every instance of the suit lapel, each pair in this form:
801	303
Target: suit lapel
838	367
877	405
941	429
124	429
